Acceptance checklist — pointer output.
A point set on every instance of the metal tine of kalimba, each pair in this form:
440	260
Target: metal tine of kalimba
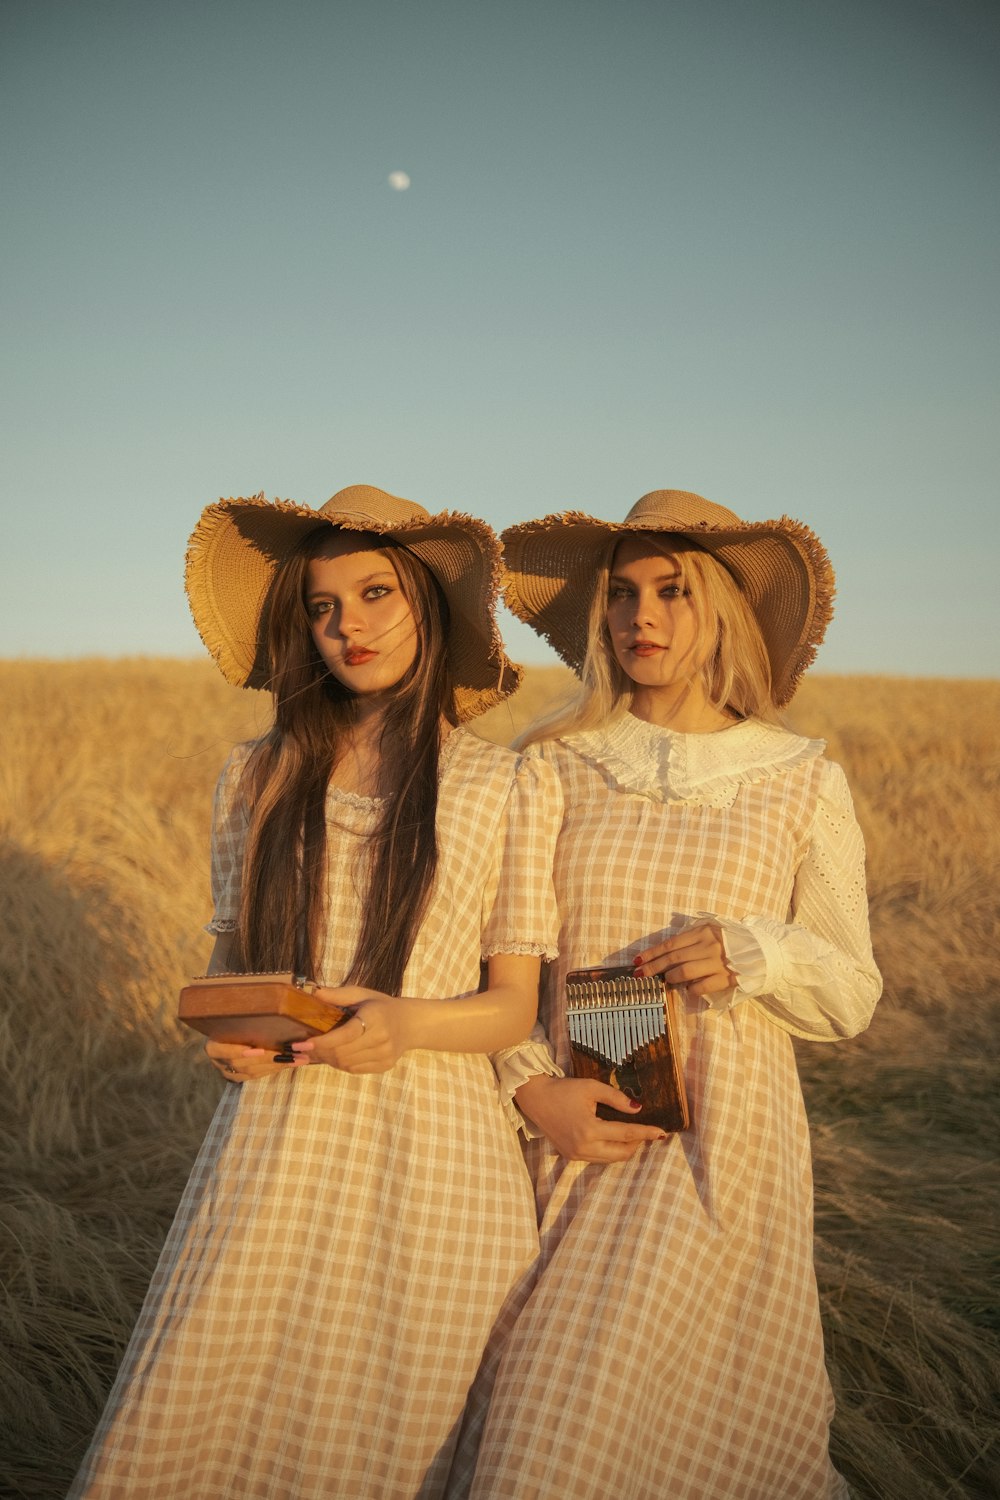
615	1017
601	1020
626	1016
621	1017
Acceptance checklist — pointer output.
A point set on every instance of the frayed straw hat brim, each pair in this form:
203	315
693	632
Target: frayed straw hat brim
239	544
781	567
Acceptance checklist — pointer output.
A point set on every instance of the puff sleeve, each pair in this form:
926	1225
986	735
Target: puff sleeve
814	976
525	903
519	904
229	830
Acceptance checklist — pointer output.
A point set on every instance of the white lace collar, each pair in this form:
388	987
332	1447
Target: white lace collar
705	769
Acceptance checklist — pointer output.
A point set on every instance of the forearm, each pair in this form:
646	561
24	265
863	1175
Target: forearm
801	979
815	974
220	961
500	1017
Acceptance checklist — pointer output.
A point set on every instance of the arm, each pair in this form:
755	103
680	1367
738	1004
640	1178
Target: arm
814	975
384	1026
538	1099
518	927
236	1064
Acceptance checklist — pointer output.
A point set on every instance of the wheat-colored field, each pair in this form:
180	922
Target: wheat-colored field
105	784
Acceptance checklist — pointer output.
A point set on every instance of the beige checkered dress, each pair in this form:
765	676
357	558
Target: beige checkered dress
344	1243
672	1348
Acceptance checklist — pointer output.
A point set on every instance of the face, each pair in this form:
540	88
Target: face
361	620
654	630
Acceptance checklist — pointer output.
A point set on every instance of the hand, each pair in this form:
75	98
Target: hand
239	1064
373	1039
565	1110
696	959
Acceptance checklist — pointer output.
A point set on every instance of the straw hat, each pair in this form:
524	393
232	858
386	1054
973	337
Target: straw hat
238	546
781	567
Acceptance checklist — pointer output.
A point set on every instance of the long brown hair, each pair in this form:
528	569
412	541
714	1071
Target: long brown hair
736	674
286	779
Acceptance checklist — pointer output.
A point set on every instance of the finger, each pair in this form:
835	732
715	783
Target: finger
632	1135
677	942
657	966
610	1151
336	1042
702	979
223	1051
718	984
615	1098
690	969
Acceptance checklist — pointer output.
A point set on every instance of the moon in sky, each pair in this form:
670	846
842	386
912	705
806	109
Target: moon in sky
399	181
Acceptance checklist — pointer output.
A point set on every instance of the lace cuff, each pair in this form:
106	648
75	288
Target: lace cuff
527	950
516	1065
752	956
220	925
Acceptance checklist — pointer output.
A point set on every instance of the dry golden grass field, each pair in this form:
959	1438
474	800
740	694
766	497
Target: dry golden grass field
106	777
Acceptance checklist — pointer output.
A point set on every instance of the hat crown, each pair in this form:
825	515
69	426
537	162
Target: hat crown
366	503
679	510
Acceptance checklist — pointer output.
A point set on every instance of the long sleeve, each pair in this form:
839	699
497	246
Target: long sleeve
815	975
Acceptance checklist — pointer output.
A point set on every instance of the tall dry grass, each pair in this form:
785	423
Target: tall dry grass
105	782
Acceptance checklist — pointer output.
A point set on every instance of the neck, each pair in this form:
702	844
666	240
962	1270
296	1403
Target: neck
682	707
358	761
359	764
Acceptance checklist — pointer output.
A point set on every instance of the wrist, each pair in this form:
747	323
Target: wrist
409	1021
532	1090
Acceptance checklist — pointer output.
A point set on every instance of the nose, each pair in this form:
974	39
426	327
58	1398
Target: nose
349	620
642	610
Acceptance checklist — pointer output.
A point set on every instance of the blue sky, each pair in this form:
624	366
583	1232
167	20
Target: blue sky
749	249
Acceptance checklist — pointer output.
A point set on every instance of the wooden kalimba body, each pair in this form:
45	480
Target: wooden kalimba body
622	1031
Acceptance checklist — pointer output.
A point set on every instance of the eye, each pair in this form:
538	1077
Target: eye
673	591
619	591
377	591
318	607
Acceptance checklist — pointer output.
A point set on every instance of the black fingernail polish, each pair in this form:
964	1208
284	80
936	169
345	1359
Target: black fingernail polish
283	1057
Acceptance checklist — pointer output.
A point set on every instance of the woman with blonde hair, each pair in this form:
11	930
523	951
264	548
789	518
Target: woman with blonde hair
360	1210
672	1345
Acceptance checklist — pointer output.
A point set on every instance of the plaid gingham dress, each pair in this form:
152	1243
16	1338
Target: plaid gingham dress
345	1243
672	1348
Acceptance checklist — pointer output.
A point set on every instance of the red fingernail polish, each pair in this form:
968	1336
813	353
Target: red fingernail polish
635	1104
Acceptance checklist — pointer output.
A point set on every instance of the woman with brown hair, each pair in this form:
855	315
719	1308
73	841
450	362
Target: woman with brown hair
672	1346
359	1210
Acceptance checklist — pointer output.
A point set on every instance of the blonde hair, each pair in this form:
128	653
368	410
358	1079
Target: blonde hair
736	672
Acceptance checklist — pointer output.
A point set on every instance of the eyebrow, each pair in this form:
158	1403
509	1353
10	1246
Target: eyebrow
358	582
660	577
